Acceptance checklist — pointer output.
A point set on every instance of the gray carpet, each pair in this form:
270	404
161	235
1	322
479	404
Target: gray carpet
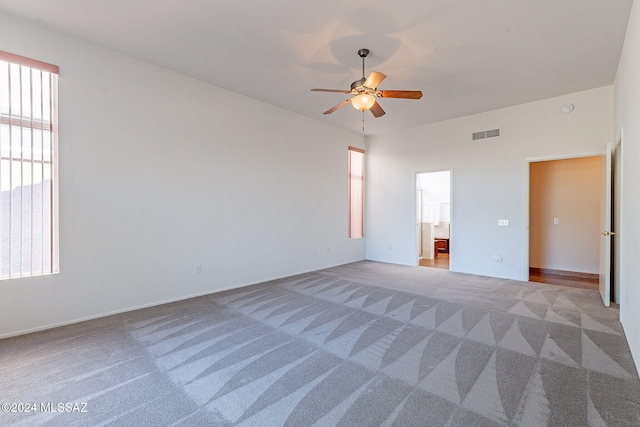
366	344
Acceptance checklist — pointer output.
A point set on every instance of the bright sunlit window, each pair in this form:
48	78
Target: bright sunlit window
356	193
28	175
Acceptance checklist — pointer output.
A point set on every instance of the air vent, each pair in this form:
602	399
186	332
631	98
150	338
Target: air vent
485	134
479	135
493	133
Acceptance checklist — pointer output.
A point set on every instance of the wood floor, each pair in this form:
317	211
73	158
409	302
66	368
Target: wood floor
564	278
441	261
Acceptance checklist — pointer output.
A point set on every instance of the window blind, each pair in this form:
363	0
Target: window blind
28	170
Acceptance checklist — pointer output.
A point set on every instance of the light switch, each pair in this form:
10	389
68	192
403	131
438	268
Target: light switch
556	221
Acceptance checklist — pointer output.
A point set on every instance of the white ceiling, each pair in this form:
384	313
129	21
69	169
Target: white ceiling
466	56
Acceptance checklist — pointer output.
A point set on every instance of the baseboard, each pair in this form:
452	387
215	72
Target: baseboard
167	301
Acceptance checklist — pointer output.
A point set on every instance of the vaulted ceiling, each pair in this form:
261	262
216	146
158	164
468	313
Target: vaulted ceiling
465	56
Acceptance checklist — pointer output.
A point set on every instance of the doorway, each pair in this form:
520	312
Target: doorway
564	222
433	219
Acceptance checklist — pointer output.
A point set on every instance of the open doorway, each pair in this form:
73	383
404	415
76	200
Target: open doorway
433	219
564	217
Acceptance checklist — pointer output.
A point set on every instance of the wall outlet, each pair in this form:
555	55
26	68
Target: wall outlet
503	222
198	269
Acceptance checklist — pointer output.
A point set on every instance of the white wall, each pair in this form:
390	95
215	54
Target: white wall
627	110
160	172
489	178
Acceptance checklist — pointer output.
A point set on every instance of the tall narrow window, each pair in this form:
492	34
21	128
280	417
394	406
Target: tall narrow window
356	193
28	169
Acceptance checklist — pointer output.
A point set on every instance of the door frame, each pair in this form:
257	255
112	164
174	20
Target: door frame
606	221
617	209
527	198
415	210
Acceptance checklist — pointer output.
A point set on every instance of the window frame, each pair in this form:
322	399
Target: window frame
355	189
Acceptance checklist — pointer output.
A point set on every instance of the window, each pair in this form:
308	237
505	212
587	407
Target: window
356	193
28	175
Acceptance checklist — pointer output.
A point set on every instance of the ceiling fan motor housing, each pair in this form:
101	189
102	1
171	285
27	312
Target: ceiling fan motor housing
358	83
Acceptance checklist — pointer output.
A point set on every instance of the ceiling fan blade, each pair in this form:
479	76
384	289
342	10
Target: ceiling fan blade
374	79
331	90
337	107
406	94
376	110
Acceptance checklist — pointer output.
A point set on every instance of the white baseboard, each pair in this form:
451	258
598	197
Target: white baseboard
157	303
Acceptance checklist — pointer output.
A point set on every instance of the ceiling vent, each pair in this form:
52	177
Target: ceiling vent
493	133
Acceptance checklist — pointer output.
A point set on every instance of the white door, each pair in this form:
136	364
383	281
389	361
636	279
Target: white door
419	225
605	225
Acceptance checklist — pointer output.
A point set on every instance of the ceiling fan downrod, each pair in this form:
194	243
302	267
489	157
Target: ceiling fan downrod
363	54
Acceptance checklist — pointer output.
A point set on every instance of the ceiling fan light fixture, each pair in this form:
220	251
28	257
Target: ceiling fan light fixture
363	102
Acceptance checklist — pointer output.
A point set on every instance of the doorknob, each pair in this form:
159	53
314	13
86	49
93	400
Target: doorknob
608	233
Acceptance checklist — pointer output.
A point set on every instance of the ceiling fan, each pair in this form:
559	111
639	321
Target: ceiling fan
365	91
